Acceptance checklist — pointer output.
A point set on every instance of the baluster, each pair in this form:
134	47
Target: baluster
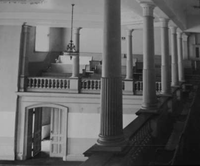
136	86
87	84
64	84
92	84
45	82
59	84
141	86
68	84
40	83
52	84
99	84
96	84
36	83
48	83
55	83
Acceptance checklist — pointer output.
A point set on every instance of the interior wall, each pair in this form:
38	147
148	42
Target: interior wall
91	41
9	59
83	118
38	60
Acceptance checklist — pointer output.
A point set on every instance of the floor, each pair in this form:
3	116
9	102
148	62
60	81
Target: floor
42	159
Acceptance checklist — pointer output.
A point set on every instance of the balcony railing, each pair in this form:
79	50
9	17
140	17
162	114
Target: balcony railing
47	84
83	85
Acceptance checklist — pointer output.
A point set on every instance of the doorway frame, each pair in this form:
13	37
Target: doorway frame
63	108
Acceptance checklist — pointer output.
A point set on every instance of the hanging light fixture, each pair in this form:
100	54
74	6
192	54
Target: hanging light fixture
71	49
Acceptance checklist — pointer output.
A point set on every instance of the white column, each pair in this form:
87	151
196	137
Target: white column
174	62
129	60
165	64
75	68
180	57
111	130
149	90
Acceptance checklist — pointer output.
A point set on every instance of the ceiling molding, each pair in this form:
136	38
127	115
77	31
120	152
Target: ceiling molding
31	2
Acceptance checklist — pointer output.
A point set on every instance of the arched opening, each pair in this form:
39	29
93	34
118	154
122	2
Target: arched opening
46	132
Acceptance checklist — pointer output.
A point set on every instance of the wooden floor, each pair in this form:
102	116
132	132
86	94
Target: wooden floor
41	159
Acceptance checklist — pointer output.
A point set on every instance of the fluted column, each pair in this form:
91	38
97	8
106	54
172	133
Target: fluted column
75	68
23	58
174	62
149	90
165	64
129	60
180	57
111	130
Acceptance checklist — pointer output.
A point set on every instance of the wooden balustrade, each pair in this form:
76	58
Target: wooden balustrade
44	83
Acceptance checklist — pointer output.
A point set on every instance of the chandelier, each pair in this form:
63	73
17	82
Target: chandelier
71	49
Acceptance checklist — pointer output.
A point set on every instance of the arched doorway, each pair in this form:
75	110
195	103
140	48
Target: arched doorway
37	129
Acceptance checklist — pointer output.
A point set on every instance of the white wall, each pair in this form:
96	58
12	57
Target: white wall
9	57
91	40
83	118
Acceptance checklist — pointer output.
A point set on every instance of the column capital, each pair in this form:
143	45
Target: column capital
173	29
148	8
185	37
129	32
164	22
179	34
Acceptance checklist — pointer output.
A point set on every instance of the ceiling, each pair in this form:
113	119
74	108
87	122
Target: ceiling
89	13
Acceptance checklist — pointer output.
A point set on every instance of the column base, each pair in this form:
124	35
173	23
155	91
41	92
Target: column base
113	149
147	111
111	141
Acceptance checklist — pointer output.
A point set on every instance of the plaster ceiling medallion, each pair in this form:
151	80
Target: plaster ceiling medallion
32	2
